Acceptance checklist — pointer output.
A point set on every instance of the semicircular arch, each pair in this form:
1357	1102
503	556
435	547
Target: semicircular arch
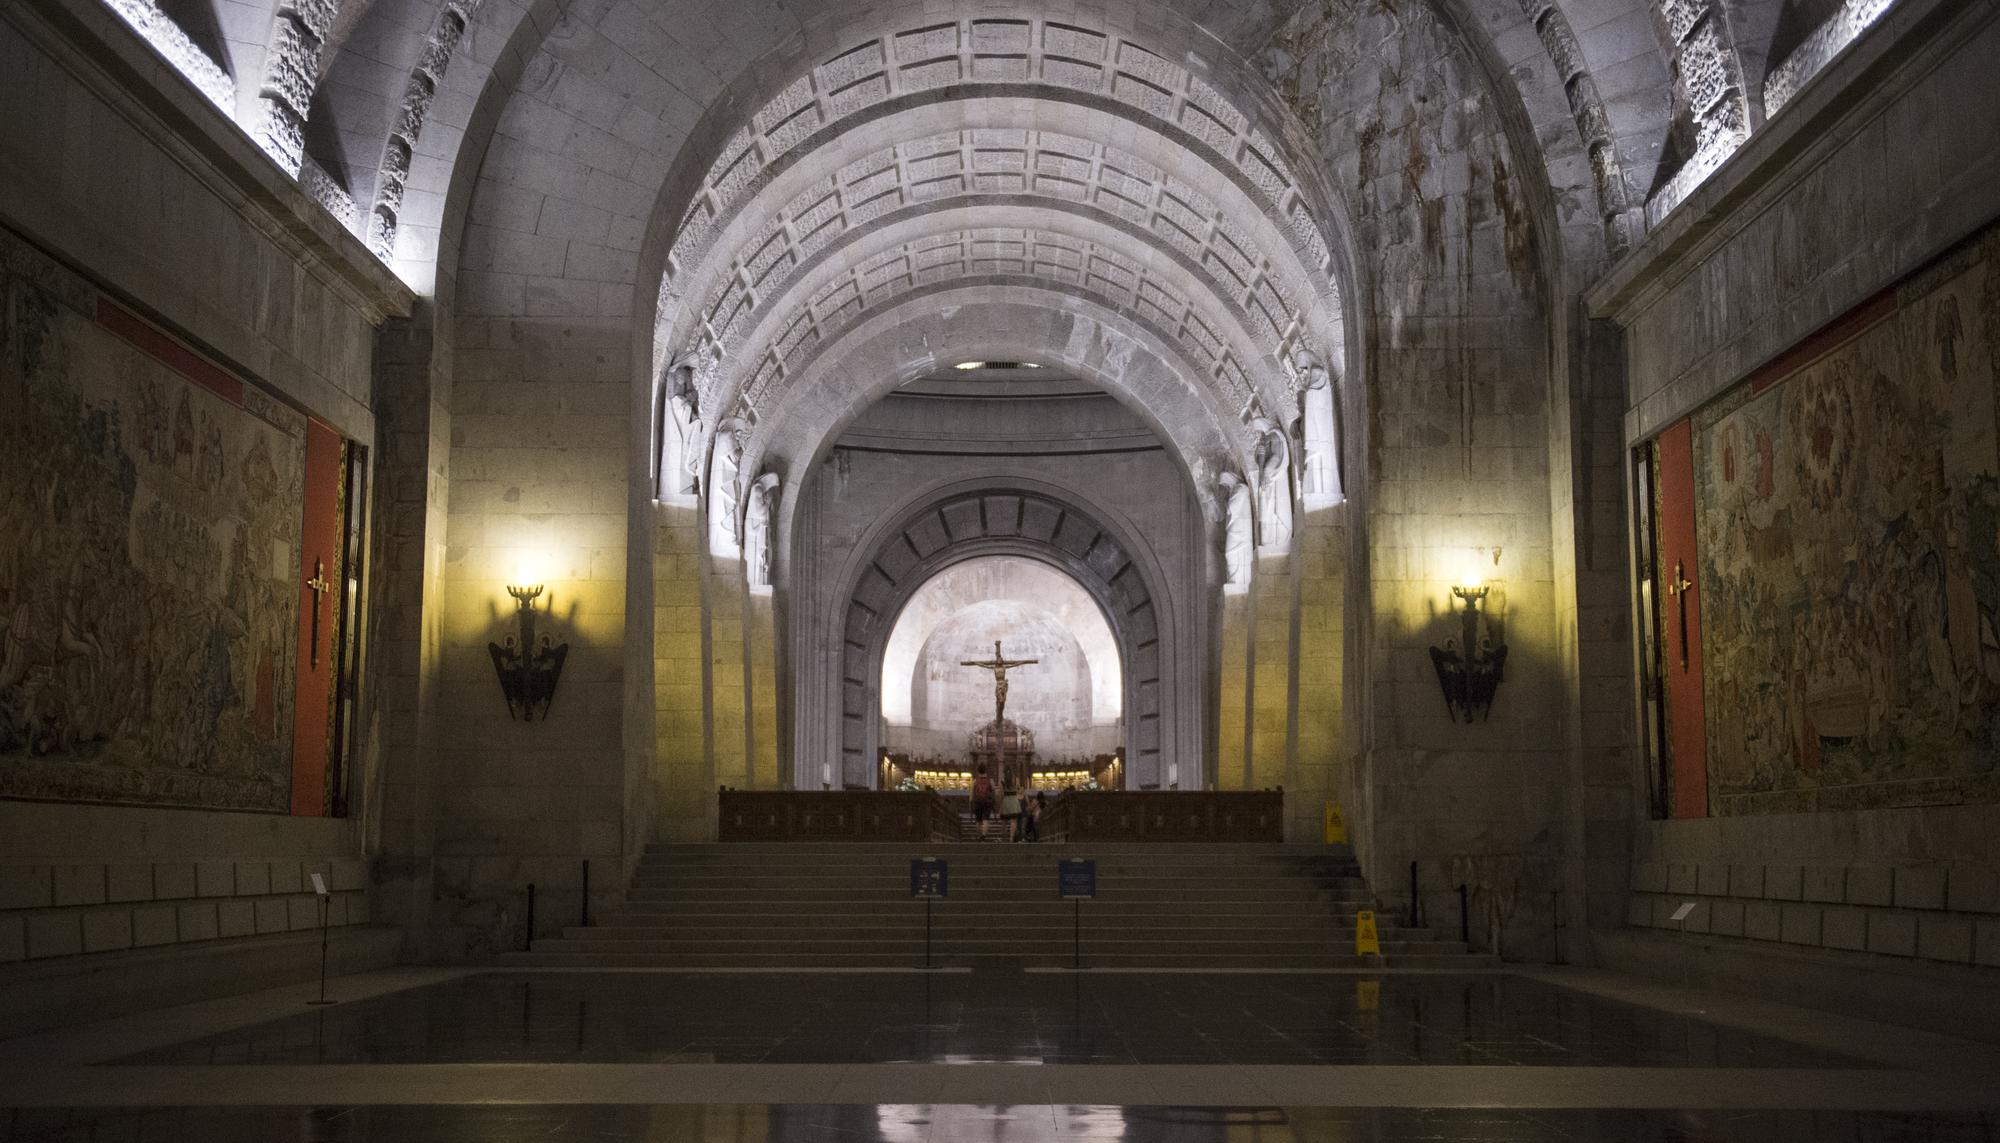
839	689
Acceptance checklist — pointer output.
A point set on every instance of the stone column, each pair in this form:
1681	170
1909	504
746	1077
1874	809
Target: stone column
407	551
682	787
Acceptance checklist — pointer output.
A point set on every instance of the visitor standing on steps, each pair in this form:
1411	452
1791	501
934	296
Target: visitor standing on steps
982	800
1031	818
1010	813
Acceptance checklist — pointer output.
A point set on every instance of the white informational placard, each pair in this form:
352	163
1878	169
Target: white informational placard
1681	914
319	884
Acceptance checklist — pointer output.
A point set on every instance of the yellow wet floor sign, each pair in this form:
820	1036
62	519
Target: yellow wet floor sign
1336	826
1365	939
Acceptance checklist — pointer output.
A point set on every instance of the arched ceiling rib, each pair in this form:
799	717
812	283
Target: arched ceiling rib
1033	58
1212	228
921	332
1167	202
1082	256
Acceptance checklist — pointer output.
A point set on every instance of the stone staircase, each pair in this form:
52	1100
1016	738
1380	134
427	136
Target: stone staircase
849	905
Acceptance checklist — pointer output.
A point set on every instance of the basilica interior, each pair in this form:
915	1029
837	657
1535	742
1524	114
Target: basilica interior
906	570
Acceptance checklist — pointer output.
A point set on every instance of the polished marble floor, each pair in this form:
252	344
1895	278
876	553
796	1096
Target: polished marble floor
1485	1019
790	1123
442	1055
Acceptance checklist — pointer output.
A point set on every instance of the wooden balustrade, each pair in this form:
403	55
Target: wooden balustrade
1082	816
834	815
1075	816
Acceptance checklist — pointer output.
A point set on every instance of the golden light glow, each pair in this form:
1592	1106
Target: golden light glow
531	568
1471	574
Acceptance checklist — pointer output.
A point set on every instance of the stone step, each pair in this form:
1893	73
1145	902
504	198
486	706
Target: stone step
901	892
906	906
1157	851
839	904
964	882
988	852
1125	866
1097	959
982	929
1049	911
1020	945
1041	872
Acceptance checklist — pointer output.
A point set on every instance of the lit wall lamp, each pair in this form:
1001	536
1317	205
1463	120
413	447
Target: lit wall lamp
1469	667
528	668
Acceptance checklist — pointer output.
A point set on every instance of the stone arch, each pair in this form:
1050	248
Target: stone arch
840	689
1000	321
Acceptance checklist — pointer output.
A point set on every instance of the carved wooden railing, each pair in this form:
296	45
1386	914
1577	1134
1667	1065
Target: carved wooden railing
1165	815
834	815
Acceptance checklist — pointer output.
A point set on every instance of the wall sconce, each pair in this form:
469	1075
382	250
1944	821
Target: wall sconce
528	668
1469	667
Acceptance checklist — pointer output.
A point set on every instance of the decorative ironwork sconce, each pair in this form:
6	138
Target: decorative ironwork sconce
528	668
1469	667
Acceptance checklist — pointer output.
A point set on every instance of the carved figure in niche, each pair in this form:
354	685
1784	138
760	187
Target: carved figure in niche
724	497
680	433
1274	483
1320	466
1236	541
761	501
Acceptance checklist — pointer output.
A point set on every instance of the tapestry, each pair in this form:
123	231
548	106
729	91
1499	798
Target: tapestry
148	603
1847	521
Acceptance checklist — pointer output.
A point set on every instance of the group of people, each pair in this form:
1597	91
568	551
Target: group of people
1020	816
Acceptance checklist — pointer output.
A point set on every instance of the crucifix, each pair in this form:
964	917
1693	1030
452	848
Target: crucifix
319	588
998	666
1678	589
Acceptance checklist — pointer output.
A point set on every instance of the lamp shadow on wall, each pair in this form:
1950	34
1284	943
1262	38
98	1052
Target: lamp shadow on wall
528	658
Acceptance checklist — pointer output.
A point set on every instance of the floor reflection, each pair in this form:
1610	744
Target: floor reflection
1137	1019
966	1124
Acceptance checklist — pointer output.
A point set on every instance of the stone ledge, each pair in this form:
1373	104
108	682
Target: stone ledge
1825	115
66	991
1948	999
1929	934
121	68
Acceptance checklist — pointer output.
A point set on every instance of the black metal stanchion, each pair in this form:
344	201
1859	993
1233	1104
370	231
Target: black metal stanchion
1077	960
586	892
528	942
928	879
1464	919
1416	901
322	1001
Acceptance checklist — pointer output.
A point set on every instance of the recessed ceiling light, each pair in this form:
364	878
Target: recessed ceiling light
970	365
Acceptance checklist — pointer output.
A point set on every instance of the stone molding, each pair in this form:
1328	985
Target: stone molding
93	45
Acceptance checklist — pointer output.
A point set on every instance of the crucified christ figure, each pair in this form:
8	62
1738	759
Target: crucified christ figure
998	665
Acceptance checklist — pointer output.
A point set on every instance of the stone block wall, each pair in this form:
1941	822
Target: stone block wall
1457	462
252	272
1881	165
1888	882
62	910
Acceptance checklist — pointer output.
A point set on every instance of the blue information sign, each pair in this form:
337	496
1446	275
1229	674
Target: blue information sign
927	877
1076	878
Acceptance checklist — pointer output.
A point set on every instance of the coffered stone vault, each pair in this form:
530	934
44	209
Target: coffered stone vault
974	318
852	148
1148	210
